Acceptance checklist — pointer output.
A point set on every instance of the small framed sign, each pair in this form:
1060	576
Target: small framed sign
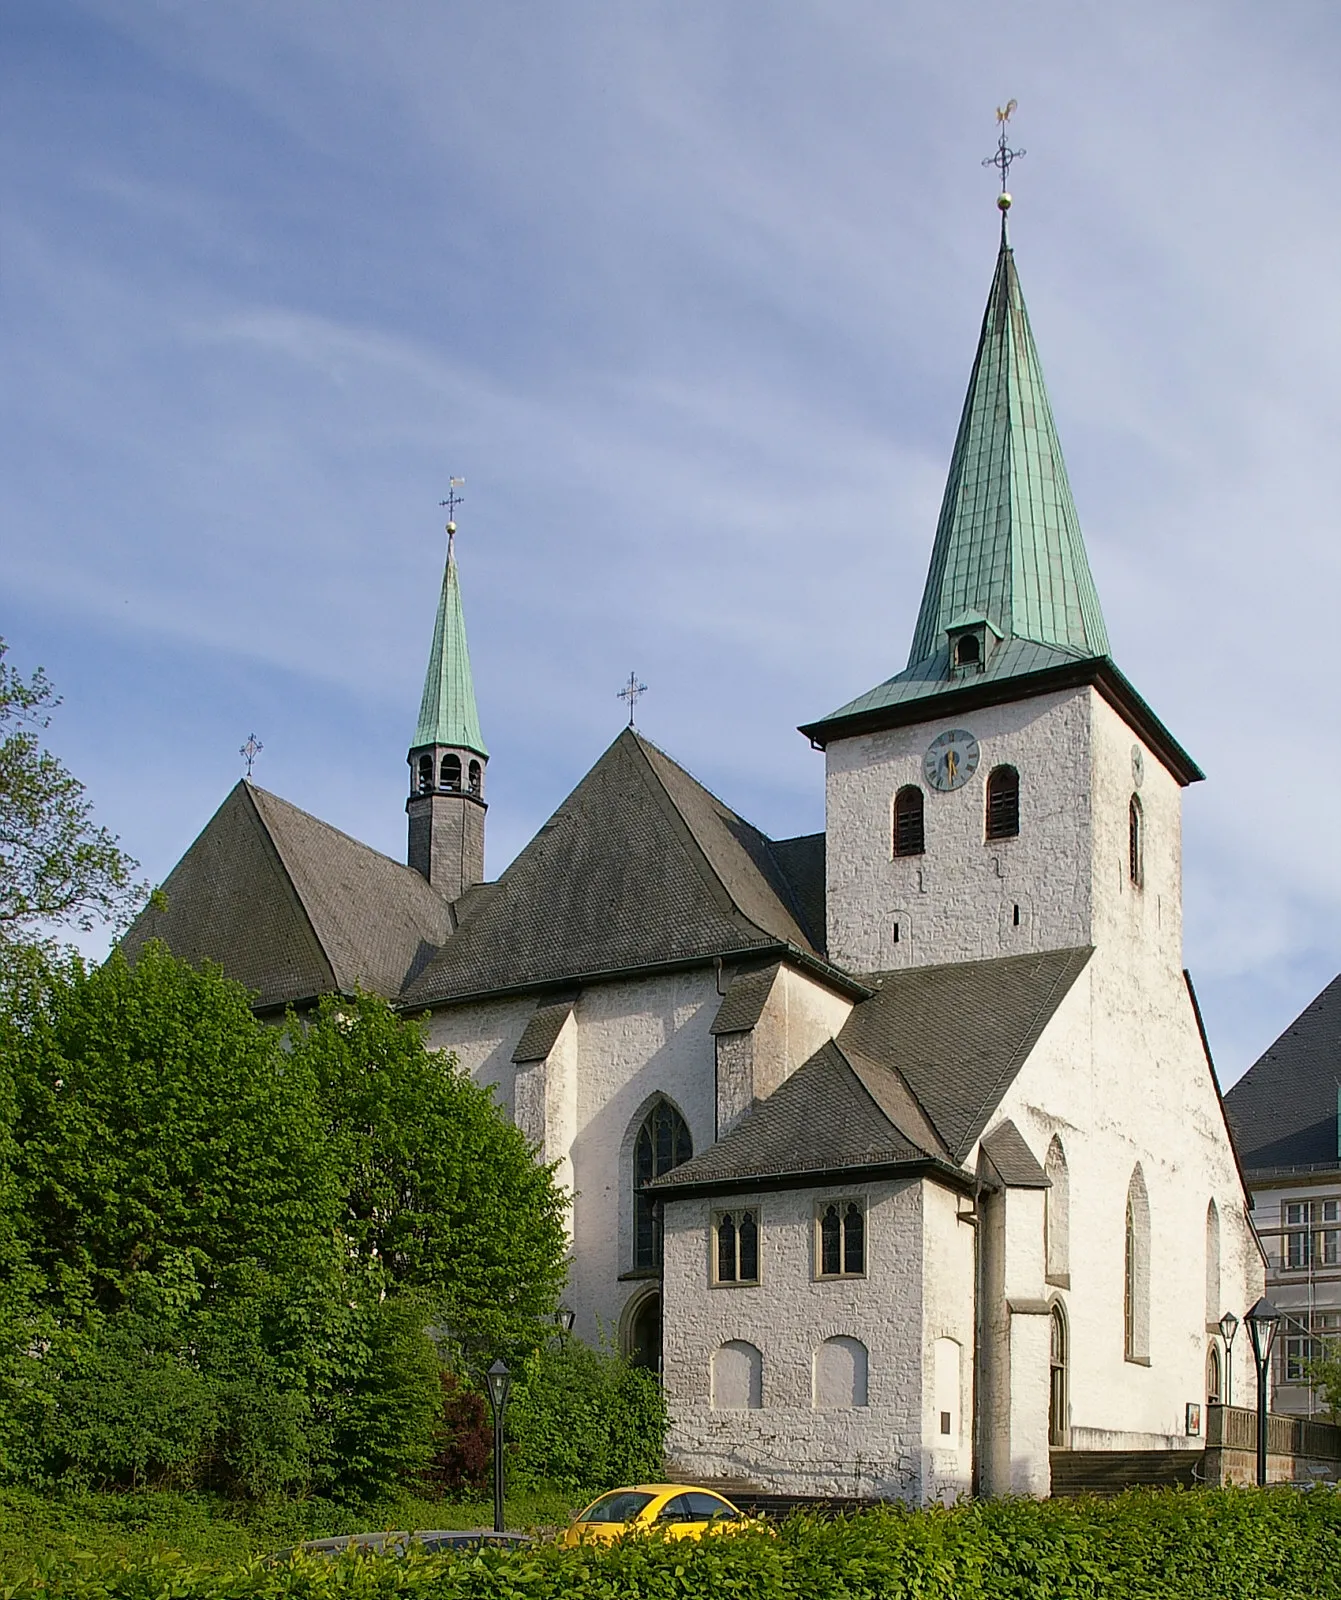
1193	1419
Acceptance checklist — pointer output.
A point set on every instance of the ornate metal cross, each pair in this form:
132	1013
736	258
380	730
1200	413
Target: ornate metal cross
1004	155
451	502
632	692
250	751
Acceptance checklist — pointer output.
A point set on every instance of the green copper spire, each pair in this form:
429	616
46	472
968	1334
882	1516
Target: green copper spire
1008	544
447	713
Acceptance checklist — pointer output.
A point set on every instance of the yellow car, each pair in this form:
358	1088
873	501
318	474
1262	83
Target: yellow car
679	1510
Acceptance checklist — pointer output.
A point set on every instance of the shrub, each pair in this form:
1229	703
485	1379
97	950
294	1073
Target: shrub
585	1419
463	1442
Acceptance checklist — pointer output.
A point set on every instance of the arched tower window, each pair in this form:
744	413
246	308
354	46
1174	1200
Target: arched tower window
1214	1390
1058	1361
1057	1215
451	772
1003	803
1135	842
425	774
968	652
1136	1272
1212	1265
663	1142
476	773
909	832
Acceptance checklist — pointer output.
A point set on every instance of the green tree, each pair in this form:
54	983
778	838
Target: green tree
441	1192
56	866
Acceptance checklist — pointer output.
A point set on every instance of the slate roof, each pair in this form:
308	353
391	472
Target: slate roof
447	711
959	1033
913	1077
1283	1111
743	1003
822	1119
1016	1164
639	867
541	1031
291	907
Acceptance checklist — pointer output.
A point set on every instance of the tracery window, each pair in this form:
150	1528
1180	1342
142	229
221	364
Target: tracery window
736	1246
1003	803
840	1239
663	1142
909	829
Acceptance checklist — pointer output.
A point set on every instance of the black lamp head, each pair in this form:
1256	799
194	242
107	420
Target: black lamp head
499	1379
1229	1326
1262	1320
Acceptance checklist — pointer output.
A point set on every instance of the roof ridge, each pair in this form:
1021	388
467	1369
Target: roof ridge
251	791
311	816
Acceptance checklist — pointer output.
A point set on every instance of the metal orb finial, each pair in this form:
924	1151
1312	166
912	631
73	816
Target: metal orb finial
1003	201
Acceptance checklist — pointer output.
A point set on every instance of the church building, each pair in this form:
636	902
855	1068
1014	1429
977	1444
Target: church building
897	1148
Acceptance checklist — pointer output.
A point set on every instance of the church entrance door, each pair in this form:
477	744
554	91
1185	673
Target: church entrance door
644	1335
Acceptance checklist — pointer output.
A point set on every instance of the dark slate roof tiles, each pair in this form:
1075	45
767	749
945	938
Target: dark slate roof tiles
1283	1111
1015	1162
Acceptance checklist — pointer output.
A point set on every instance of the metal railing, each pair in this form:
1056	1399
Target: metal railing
1235	1428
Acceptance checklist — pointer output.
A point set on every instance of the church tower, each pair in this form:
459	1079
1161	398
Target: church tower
1008	791
448	756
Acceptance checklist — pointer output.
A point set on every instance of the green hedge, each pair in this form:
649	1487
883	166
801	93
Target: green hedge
1211	1545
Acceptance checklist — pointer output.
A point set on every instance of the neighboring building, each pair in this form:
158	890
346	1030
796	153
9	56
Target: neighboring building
896	1147
1284	1116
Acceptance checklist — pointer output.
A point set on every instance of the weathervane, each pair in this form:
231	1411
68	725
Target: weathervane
451	502
632	691
250	751
1003	156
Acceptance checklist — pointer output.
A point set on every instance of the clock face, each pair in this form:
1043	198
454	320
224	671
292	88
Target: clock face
951	760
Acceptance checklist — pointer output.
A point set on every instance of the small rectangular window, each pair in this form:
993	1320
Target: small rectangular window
736	1246
840	1239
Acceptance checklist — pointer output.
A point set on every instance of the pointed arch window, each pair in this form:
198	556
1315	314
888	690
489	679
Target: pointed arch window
1135	842
1058	1399
909	827
1212	1265
1057	1216
451	772
1003	803
662	1142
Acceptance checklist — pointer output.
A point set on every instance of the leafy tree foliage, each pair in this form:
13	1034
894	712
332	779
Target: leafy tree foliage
230	1247
56	866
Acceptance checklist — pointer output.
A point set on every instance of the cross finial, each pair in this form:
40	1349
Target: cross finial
632	692
451	502
1003	156
250	751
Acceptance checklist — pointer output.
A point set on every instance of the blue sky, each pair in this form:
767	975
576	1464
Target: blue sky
689	294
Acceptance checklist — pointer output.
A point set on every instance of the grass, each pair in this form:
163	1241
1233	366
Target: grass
204	1528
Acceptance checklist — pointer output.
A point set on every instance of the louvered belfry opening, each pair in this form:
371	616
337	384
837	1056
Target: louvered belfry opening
1003	803
909	829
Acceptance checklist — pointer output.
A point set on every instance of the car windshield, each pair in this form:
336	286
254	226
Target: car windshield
620	1506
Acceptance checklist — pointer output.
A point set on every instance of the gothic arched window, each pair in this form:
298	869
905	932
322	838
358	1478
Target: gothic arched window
663	1142
1057	1372
451	772
1003	803
425	774
909	832
476	772
1057	1215
1135	842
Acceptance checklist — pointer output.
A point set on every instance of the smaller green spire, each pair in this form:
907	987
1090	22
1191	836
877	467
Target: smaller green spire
447	713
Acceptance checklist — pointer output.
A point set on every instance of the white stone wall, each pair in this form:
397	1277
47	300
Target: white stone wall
957	901
905	1302
625	1044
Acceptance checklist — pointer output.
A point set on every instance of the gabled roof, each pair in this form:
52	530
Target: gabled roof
912	1079
291	907
1016	1164
959	1034
640	867
1283	1112
822	1119
447	712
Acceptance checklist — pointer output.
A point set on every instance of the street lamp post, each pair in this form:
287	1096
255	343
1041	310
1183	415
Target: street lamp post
1229	1326
499	1380
565	1316
1262	1320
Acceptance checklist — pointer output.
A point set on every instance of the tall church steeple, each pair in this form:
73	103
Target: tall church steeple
1008	547
448	756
